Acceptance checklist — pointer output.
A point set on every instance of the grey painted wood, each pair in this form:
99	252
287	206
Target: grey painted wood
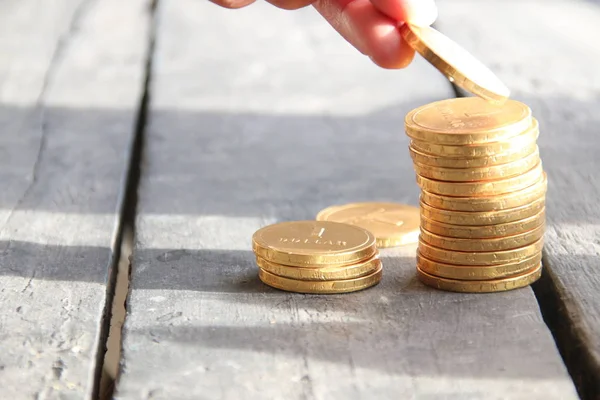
71	78
550	58
259	116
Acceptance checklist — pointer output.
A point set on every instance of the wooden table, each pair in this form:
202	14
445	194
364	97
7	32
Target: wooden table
256	116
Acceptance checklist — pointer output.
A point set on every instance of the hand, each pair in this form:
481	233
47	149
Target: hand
369	25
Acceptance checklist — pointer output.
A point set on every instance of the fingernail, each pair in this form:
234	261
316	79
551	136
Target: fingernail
421	12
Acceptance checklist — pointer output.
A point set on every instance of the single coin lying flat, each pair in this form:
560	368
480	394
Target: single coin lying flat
392	224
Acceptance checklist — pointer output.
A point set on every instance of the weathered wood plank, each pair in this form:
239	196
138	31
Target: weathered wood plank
549	56
71	78
258	116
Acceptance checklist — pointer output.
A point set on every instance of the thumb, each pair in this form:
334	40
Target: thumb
416	12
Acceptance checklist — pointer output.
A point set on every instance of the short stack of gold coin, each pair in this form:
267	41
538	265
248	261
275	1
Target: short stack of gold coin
482	194
317	257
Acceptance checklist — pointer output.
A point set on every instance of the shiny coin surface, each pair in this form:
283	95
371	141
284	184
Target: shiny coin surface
487	203
480	258
485	286
478	162
477	272
301	243
457	64
484	231
392	224
479	174
482	188
321	273
466	121
479	218
322	287
488	244
491	149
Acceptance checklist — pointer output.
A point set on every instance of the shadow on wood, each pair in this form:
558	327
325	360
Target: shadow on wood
213	178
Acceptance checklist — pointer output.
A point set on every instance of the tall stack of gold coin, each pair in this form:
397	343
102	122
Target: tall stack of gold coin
317	257
482	194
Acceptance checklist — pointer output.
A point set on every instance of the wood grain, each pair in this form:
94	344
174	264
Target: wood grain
549	56
71	79
261	115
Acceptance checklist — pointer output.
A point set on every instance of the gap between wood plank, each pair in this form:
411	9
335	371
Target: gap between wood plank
111	358
581	366
103	385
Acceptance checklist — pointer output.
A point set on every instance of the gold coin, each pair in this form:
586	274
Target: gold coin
487	203
457	64
478	162
479	272
479	174
301	243
483	231
488	244
392	224
479	218
485	286
467	120
321	273
480	258
322	287
482	188
490	149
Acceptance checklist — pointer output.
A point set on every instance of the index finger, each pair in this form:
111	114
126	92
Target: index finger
369	30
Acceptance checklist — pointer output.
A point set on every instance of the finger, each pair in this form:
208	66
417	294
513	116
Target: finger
232	3
369	30
416	12
291	4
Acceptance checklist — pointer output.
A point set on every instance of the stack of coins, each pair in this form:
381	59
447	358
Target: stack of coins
482	194
317	257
